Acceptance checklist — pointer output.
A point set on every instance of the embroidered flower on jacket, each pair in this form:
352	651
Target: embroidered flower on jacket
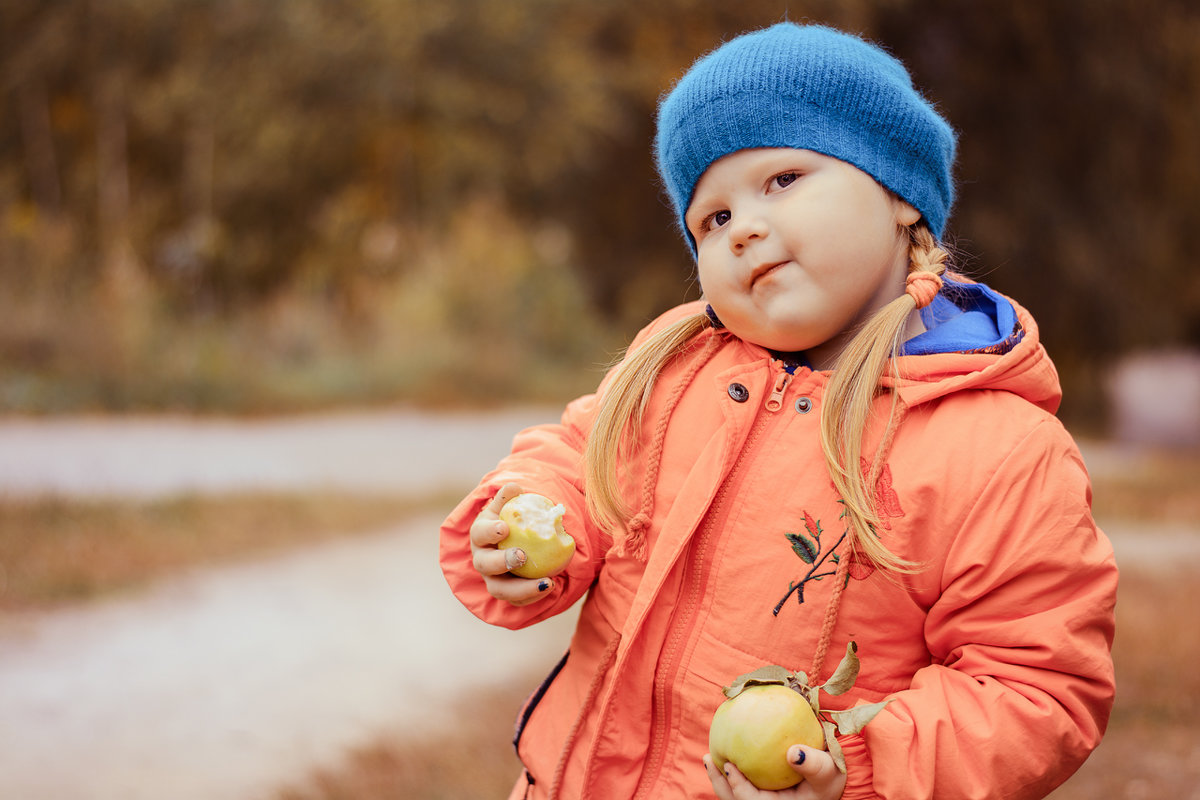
887	502
823	563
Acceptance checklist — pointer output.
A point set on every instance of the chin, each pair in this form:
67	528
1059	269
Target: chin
784	342
785	345
781	338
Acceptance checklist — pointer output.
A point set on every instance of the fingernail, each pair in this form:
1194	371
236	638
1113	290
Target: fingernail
543	585
799	759
514	557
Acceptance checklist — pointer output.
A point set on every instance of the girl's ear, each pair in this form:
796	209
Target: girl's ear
906	214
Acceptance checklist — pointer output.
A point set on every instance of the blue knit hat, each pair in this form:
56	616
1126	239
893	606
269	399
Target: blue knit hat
811	88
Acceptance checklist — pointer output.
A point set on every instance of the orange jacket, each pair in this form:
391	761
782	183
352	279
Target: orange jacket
996	654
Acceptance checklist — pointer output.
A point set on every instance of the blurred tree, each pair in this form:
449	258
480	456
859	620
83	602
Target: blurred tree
1079	174
216	154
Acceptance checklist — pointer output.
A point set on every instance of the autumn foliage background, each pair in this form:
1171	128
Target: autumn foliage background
221	205
241	206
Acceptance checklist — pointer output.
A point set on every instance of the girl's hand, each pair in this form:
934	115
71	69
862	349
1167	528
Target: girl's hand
822	779
493	563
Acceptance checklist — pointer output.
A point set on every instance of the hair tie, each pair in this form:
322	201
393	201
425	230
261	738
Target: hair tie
713	318
922	287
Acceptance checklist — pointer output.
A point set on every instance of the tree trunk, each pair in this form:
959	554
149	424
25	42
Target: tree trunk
40	158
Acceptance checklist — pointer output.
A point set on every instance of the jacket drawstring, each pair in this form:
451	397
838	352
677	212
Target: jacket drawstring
635	529
588	701
840	579
634	545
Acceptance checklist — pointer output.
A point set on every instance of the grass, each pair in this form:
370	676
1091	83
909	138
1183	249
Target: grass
55	552
471	760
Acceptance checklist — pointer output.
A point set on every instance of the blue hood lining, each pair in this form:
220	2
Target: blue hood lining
966	318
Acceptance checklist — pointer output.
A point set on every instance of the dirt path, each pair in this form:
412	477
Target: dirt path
228	683
393	451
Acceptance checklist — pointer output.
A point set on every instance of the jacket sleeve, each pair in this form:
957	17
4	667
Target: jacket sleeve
1021	681
546	459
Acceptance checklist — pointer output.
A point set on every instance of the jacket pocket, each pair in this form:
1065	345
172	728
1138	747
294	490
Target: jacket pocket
557	719
531	703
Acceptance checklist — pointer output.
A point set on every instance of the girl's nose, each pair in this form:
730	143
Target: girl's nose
744	229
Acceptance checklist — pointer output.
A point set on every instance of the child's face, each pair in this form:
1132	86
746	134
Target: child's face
796	248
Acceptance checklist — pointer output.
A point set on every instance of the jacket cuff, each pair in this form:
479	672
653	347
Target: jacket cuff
860	773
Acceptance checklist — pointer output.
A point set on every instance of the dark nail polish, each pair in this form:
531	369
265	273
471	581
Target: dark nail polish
543	585
799	760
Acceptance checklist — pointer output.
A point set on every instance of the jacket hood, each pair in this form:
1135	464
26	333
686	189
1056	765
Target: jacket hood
976	338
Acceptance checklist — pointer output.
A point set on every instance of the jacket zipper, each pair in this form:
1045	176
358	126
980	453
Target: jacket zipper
695	576
775	399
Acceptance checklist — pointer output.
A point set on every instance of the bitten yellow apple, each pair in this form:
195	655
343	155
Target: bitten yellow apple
535	525
755	729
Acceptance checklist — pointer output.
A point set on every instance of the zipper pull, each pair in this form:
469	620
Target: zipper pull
775	401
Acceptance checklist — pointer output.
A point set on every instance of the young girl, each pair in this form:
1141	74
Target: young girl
841	442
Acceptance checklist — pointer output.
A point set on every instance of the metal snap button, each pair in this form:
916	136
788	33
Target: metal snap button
803	405
739	393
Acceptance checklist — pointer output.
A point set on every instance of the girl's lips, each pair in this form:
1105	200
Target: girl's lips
764	271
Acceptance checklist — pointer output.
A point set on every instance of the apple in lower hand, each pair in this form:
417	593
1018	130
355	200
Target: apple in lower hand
755	729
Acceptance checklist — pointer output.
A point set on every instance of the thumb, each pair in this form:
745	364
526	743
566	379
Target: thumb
816	766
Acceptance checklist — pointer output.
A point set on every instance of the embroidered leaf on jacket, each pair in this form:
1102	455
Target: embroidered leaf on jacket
803	547
825	561
811	550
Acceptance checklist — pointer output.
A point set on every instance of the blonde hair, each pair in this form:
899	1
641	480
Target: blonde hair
845	415
622	407
849	401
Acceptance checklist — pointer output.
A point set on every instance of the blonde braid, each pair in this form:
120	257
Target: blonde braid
850	398
924	253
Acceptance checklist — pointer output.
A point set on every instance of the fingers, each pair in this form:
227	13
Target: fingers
740	787
820	773
487	529
494	563
719	784
822	779
731	784
507	492
518	591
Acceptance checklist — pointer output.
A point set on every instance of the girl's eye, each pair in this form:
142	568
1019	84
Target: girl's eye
785	179
715	220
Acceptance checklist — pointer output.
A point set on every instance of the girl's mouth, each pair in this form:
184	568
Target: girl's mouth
764	271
